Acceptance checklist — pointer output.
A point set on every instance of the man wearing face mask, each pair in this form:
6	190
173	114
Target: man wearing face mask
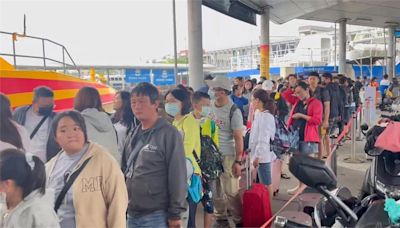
37	119
230	123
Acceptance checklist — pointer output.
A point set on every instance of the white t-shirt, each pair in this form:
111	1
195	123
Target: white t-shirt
64	166
39	141
385	82
262	131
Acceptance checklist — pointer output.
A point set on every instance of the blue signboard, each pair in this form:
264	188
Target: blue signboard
137	75
248	73
319	69
164	77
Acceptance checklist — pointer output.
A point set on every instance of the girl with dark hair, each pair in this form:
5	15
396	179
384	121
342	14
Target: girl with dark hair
12	135
98	123
98	196
305	117
239	100
248	89
178	105
23	180
262	132
123	119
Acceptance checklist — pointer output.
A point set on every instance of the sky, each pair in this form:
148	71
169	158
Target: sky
123	32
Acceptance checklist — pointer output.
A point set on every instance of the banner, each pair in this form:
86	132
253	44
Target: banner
264	61
137	75
164	77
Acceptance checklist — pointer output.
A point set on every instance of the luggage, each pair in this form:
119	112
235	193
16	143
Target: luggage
256	202
276	171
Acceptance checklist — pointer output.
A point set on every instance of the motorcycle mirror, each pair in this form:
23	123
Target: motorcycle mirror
364	127
312	172
375	152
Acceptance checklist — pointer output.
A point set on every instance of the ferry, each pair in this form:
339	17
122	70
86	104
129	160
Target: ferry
18	82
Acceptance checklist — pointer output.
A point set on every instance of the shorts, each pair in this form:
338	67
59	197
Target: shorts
333	125
307	148
264	173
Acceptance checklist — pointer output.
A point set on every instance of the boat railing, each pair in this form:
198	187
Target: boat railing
65	54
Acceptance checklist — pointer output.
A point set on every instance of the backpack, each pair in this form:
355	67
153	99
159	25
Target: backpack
281	143
231	112
246	138
210	161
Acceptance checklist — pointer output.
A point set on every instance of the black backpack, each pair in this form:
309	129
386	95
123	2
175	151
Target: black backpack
210	161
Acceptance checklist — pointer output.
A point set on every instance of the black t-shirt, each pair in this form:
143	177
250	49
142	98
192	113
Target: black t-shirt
321	94
335	99
300	124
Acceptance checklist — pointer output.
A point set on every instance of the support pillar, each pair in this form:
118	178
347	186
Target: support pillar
342	46
391	58
196	75
264	44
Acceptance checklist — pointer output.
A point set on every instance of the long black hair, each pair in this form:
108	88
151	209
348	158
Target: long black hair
14	166
8	131
125	114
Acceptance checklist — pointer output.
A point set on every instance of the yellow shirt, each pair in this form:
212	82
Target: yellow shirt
190	131
209	128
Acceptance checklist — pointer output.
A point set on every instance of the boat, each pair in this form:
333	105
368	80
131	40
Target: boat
18	82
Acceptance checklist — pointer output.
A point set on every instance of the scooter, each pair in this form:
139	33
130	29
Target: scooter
382	179
315	174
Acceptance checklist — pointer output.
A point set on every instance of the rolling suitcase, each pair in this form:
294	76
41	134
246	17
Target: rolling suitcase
276	171
256	201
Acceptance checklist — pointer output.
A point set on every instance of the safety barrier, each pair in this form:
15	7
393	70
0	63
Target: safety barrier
353	125
331	156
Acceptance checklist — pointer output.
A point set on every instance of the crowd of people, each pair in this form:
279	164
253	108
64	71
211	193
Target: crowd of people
133	168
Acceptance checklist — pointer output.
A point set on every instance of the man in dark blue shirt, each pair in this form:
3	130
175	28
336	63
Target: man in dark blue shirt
205	88
239	100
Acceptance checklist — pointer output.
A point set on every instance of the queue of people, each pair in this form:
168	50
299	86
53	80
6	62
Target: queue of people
136	169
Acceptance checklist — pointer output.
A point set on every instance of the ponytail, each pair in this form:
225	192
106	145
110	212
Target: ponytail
27	171
37	177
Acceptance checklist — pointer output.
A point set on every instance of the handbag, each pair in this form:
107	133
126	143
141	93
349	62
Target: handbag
195	187
389	139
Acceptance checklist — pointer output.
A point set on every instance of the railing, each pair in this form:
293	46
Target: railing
65	65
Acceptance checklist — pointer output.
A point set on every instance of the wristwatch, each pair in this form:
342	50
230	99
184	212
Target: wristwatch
238	162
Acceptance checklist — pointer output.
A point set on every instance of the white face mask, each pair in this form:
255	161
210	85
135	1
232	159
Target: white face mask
205	111
211	93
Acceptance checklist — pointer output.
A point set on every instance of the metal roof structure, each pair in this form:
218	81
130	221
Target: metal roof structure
374	13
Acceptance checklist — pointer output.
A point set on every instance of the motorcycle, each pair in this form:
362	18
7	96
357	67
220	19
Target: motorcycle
337	207
335	202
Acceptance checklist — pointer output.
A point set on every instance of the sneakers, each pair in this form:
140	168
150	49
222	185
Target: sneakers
293	190
221	223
